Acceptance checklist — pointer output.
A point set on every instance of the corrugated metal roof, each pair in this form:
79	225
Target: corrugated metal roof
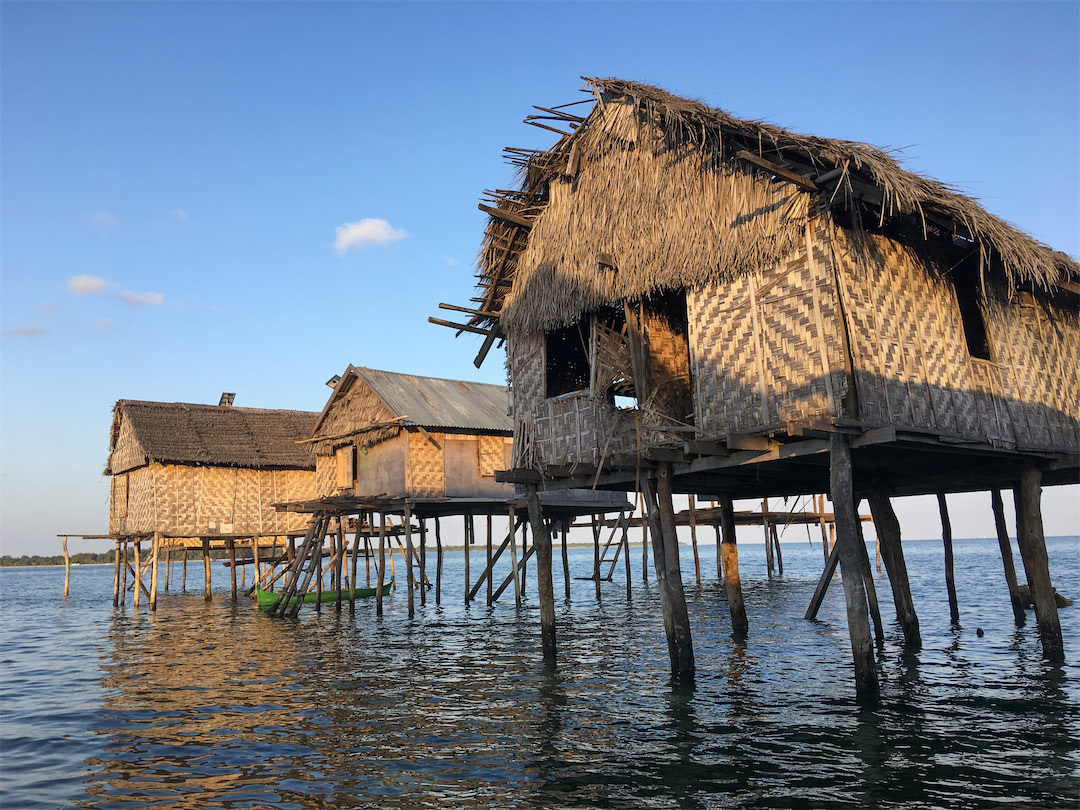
432	402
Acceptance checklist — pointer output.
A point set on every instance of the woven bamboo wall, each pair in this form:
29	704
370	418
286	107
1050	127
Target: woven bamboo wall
357	408
767	348
127	453
198	501
425	466
913	368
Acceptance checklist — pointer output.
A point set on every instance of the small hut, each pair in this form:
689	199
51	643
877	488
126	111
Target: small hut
192	471
390	435
723	307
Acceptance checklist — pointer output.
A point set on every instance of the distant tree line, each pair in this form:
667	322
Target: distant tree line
91	558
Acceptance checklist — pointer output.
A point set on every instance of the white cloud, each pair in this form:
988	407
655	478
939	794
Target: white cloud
25	331
450	261
141	299
103	325
181	215
366	233
86	285
103	219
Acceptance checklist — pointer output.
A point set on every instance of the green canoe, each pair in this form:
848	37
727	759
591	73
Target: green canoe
268	598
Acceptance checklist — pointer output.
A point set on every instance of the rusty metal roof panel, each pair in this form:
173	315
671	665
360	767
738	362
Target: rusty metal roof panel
432	402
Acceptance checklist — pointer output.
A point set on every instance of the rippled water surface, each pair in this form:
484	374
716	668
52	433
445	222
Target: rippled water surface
207	705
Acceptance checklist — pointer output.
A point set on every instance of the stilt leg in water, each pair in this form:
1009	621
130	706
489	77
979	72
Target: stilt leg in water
729	557
892	552
946	536
1032	544
1007	559
542	542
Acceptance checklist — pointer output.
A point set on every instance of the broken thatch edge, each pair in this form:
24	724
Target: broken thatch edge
1011	257
175	439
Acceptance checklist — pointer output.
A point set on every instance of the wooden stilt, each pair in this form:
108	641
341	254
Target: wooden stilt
231	545
542	543
820	500
116	578
596	554
168	564
317	567
626	552
946	537
1029	535
183	580
206	568
423	563
310	558
513	557
407	517
381	567
847	538
154	550
563	532
490	586
124	572
693	539
468	541
776	549
823	584
669	578
1007	558
868	581
729	556
877	554
353	584
67	569
719	561
768	537
438	563
292	572
889	543
138	574
644	539
525	554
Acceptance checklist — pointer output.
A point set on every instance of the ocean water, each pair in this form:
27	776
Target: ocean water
212	704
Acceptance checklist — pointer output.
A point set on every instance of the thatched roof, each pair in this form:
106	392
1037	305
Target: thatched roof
213	435
432	403
650	191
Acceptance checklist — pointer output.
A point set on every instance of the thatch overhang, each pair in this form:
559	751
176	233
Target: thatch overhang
650	191
412	402
208	435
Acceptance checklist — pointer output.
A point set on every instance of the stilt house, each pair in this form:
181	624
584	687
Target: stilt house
718	306
196	471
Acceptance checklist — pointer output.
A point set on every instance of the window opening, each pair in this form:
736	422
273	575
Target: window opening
566	360
966	282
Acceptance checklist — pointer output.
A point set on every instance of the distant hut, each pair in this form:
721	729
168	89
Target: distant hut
736	309
390	435
192	475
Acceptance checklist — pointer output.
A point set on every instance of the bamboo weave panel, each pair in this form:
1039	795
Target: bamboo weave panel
425	467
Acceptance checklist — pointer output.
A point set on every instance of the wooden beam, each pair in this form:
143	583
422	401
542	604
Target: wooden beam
481	313
464	327
804	183
506	216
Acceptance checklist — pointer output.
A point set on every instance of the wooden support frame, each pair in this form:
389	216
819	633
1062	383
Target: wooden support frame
542	544
889	542
1007	558
1029	532
728	558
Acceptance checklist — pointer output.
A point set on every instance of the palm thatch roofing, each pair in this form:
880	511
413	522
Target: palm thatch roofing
432	403
209	435
649	191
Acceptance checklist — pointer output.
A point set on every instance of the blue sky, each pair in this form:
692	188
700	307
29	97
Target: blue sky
175	175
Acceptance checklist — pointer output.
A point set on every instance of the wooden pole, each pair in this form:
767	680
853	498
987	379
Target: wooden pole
868	581
232	565
468	540
183	580
381	567
820	500
892	552
67	569
168	565
311	555
946	536
154	550
116	578
542	543
596	554
823	584
626	553
564	530
124	572
258	563
1007	558
669	577
438	563
353	584
729	557
644	539
423	563
513	558
407	517
768	537
206	568
776	548
847	539
138	575
1029	535
490	584
693	539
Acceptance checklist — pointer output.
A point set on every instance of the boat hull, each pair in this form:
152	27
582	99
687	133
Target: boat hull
268	598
